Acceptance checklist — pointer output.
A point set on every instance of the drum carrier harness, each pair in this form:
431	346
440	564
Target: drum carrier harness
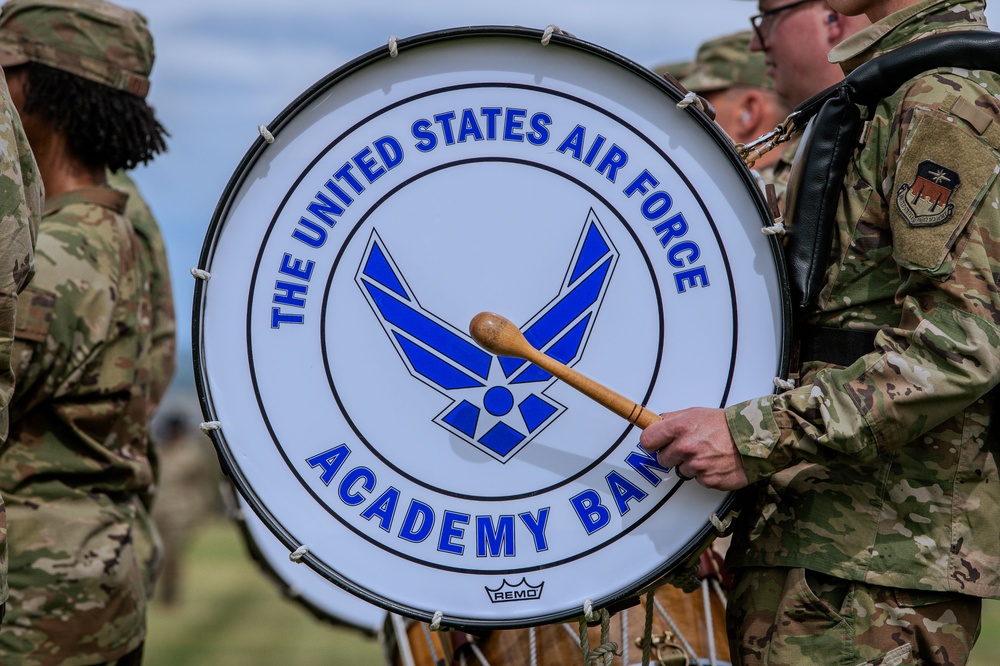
835	122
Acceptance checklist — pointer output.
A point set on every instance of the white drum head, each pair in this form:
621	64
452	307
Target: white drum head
480	170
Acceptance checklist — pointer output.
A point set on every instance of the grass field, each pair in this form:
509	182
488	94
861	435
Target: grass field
230	614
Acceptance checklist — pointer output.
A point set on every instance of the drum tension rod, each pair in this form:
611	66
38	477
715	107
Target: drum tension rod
777	226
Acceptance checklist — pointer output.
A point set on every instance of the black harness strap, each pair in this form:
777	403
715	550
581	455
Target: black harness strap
840	346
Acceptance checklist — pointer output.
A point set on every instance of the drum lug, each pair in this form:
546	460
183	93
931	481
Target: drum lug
668	651
751	152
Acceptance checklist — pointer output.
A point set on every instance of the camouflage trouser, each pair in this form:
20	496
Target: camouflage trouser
781	617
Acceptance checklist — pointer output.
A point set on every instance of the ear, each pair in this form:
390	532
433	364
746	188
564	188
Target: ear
749	115
835	24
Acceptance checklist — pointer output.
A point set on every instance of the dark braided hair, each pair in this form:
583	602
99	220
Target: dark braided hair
104	127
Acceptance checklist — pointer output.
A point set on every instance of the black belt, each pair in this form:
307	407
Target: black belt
839	346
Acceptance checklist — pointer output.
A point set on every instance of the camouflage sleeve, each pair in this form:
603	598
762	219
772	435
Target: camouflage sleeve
63	316
20	210
939	183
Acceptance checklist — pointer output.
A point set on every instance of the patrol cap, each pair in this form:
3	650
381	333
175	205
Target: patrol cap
93	39
727	61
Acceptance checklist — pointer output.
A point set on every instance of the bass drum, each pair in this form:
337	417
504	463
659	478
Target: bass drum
687	628
481	169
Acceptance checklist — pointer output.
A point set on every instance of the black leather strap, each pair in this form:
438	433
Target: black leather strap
839	346
834	133
993	429
814	199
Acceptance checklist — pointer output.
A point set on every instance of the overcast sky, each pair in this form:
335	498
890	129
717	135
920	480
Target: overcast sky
223	67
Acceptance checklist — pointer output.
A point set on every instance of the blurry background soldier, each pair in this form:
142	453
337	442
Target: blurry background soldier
732	79
187	493
20	211
76	462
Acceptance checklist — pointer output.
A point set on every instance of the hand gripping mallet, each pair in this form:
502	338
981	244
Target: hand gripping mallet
500	336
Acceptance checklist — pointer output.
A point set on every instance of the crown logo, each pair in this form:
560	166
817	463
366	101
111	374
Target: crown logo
520	592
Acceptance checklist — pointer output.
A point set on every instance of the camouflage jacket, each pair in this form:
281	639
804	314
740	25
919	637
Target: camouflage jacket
76	457
881	471
20	212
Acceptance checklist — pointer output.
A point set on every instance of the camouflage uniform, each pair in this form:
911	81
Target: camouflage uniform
76	463
76	459
880	474
20	211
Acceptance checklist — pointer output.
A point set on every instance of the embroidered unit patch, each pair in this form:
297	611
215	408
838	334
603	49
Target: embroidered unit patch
925	201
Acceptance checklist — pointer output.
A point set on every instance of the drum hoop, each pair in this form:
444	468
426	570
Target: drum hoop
615	601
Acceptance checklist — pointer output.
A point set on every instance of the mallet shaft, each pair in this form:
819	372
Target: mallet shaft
499	336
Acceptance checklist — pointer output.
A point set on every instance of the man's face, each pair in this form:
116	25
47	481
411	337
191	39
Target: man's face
795	45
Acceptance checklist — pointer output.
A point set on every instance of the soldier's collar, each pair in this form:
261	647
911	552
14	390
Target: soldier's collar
862	46
105	197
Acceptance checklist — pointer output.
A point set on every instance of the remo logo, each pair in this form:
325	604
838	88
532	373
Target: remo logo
479	171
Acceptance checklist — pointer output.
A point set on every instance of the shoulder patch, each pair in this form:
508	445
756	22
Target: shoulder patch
942	175
925	201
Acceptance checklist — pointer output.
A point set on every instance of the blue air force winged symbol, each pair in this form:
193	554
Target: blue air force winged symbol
498	403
